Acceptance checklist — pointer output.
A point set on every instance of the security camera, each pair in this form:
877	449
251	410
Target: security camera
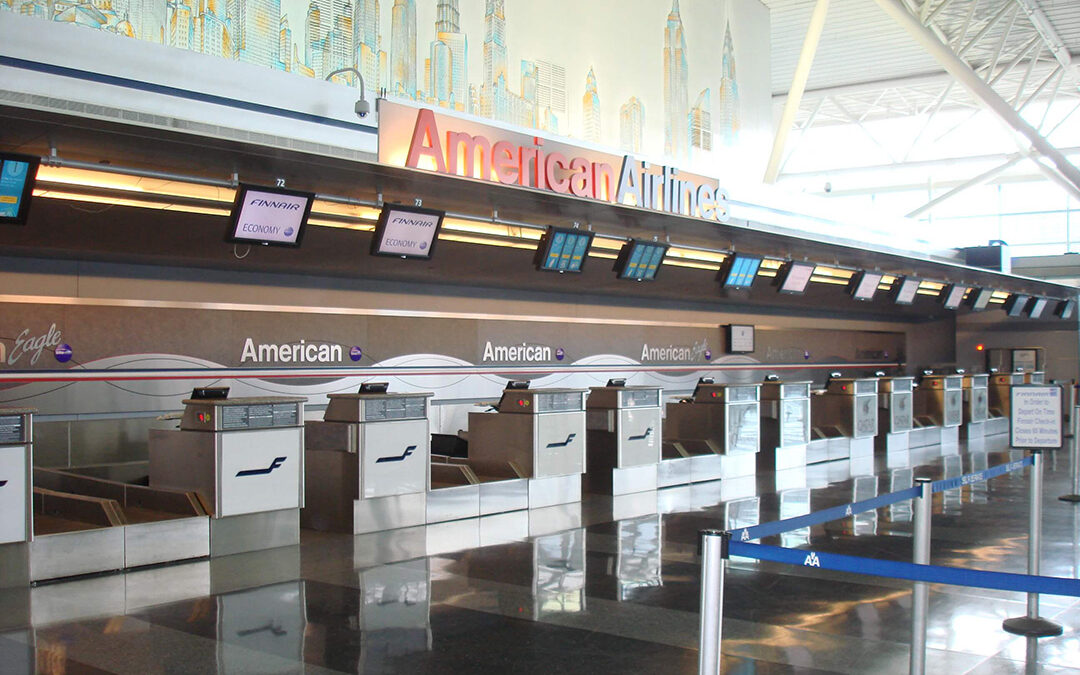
362	108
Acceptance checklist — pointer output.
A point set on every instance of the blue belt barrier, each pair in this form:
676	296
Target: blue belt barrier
979	476
936	574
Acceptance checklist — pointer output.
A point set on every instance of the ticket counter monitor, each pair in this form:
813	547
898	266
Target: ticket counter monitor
368	462
245	458
845	416
785	424
16	511
976	405
939	409
624	432
540	434
716	433
895	413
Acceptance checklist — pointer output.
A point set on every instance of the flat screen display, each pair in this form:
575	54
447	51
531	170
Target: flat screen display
740	271
407	231
640	260
17	174
864	285
906	289
1065	309
980	298
795	276
269	216
1014	306
563	250
952	296
1036	306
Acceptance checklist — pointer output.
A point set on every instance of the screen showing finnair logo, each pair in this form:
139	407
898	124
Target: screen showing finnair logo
409	233
270	216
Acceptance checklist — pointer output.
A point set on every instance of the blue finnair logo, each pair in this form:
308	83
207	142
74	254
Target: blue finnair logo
397	458
648	432
278	461
562	444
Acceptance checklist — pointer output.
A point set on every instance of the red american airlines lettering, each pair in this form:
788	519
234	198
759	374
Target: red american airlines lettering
453	146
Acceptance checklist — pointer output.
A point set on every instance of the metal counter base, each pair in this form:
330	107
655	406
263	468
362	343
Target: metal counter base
996	425
893	442
622	481
14	565
108	549
254	532
788	457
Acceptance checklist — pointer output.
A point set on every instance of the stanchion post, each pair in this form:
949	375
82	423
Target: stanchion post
1074	459
714	553
920	592
1032	625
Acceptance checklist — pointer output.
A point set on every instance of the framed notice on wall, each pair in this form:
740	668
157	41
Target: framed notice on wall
740	338
1035	416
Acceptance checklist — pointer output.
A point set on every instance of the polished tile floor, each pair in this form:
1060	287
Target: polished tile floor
605	586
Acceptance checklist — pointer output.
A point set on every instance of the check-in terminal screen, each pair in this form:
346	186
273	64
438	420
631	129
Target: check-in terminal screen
640	398
559	401
259	416
390	408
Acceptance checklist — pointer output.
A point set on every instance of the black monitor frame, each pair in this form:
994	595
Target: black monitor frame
785	272
898	287
978	298
209	393
234	217
626	253
380	231
543	249
947	293
1016	303
856	281
724	276
373	388
27	195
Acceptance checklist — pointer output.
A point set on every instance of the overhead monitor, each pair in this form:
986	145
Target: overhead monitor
979	298
406	231
1065	309
864	285
374	387
518	384
209	393
269	216
617	382
1036	306
952	296
563	250
740	270
1016	303
794	276
640	260
905	289
17	175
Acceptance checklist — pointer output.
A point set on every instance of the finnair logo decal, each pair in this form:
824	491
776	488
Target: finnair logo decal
397	458
278	461
562	444
812	560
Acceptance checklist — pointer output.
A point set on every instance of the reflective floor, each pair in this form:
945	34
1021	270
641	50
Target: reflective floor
605	586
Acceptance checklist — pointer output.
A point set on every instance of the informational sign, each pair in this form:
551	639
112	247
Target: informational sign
269	216
1035	416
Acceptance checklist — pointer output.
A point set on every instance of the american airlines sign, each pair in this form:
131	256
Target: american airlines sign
428	141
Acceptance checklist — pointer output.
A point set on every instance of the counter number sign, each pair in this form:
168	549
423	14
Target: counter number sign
1035	417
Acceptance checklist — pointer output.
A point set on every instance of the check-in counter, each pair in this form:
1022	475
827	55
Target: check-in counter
1000	391
976	405
716	433
939	410
16	512
844	420
245	459
895	413
540	435
367	462
624	432
785	424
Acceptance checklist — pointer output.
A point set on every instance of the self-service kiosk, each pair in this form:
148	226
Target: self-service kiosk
939	409
845	419
16	512
895	413
1000	393
245	458
716	433
540	434
624	432
367	462
785	424
976	405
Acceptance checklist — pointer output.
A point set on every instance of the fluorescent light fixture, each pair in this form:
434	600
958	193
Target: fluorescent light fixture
17	175
1065	309
740	270
269	216
952	296
979	298
1035	307
640	260
794	276
863	285
905	289
563	250
1014	306
407	232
